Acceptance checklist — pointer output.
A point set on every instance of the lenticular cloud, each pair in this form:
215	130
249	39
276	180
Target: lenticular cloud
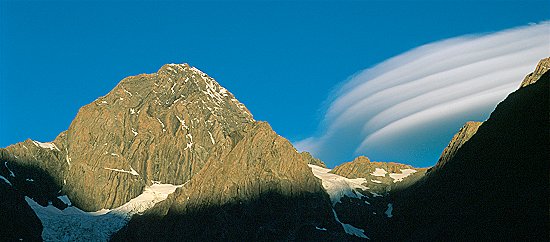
406	108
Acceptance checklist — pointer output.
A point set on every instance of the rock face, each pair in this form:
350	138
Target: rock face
493	186
160	127
178	126
234	178
312	160
459	139
542	67
382	176
373	210
263	177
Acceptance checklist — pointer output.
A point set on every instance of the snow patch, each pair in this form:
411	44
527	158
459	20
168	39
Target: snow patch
73	224
397	177
182	121
212	138
47	145
65	200
67	158
132	111
389	210
131	171
172	88
338	186
11	172
374	194
126	91
162	124
322	229
379	172
376	181
29	179
134	132
350	229
6	180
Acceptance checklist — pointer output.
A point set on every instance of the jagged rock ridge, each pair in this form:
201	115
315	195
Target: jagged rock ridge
179	126
459	139
542	67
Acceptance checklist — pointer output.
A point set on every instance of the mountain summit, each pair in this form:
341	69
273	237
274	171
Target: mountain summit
176	127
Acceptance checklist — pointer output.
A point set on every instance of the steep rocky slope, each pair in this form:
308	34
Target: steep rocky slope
177	126
459	139
263	189
372	211
495	184
542	67
178	157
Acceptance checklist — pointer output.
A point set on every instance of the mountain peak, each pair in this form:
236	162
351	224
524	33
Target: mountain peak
542	67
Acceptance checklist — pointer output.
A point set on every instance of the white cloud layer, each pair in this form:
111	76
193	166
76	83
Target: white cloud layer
406	108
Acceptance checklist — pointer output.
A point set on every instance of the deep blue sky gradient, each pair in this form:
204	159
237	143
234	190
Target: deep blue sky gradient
280	59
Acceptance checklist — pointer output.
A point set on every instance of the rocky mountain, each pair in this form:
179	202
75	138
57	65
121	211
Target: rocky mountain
371	208
493	186
175	136
542	67
174	156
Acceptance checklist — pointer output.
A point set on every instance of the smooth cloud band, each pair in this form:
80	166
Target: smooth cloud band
432	89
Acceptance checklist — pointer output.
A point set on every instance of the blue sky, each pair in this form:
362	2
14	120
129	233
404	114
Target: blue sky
281	59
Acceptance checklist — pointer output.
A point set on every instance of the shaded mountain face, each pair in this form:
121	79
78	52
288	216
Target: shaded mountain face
371	207
495	184
459	139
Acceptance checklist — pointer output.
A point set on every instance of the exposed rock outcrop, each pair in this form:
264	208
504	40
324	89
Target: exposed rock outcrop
459	139
312	160
262	170
542	67
179	126
381	176
160	127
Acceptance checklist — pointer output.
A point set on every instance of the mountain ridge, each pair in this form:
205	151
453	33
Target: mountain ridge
232	177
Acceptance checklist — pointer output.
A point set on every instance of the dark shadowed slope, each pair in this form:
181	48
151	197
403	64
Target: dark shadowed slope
496	185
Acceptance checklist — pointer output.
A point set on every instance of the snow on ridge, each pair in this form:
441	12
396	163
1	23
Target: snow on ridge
338	186
131	171
397	177
47	145
379	172
73	224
